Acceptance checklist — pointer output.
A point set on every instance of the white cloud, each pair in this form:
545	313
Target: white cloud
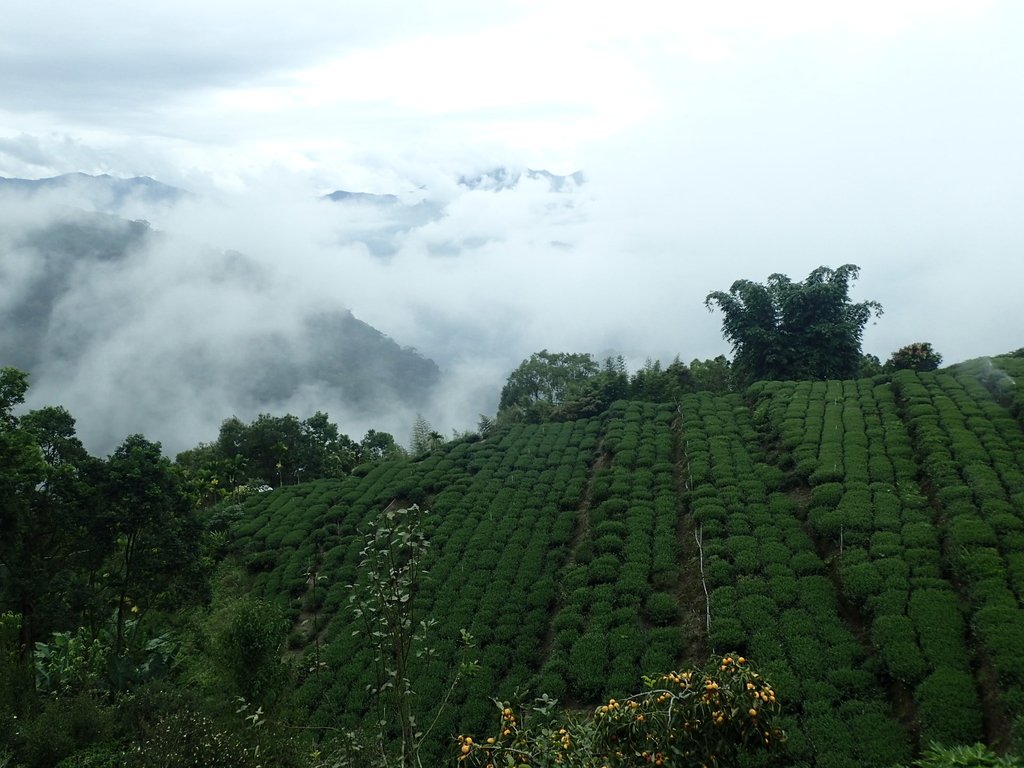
720	140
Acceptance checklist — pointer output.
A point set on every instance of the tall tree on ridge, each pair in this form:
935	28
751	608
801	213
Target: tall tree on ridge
787	330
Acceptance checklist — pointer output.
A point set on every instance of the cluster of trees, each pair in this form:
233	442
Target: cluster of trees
81	538
563	385
787	330
107	571
779	330
784	330
95	555
919	356
278	450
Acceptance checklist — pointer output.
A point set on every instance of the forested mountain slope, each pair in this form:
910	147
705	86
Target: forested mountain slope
862	541
92	292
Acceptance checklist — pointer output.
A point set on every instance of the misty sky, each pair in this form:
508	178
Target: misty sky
719	140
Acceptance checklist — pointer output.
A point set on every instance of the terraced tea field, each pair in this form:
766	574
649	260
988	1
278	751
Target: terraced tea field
862	541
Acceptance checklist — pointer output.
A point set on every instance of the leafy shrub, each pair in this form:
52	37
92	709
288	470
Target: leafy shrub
661	608
784	590
878	740
920	535
603	569
852	682
691	717
72	662
973	756
587	661
886	544
971	531
896	643
805	563
249	648
948	708
940	626
827	495
64	726
727	632
861	581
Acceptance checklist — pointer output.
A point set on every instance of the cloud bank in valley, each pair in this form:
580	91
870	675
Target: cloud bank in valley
718	142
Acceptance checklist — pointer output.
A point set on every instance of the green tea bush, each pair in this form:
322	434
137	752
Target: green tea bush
877	739
861	581
888	602
970	531
587	662
827	495
661	608
727	632
895	641
784	590
603	569
756	610
1001	627
805	563
948	691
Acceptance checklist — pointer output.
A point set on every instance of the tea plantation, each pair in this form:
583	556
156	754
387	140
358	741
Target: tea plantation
861	540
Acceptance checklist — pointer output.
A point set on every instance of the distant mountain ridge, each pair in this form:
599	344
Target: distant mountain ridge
501	178
102	188
400	216
341	195
148	189
57	250
496	179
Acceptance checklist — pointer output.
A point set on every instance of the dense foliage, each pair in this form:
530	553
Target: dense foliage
861	539
709	716
560	385
786	330
916	357
278	450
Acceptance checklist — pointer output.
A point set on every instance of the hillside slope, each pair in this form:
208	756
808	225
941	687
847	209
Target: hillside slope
863	541
93	297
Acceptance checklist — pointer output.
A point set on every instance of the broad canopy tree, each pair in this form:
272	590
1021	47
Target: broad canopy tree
156	555
51	528
787	330
919	356
565	385
276	450
549	377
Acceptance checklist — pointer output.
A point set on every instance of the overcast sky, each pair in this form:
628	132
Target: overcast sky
719	140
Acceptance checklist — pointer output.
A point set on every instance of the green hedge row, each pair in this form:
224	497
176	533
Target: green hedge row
968	454
865	502
770	596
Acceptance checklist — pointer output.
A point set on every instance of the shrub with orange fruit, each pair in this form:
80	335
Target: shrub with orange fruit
702	716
